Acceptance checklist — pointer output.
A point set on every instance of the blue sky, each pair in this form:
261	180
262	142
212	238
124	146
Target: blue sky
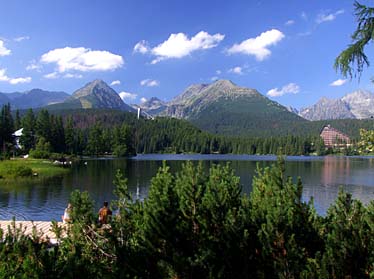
284	49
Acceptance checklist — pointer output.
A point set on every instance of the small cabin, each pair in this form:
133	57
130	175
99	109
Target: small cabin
17	135
334	138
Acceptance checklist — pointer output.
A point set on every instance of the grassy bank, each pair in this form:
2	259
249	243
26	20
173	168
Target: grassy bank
29	168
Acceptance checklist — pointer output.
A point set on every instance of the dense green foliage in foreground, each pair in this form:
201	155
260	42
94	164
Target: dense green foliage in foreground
198	225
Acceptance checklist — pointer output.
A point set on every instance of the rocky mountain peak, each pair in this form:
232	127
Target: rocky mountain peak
361	103
93	87
223	83
152	106
358	104
152	102
98	94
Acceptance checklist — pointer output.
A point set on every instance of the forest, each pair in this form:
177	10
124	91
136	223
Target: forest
195	224
48	134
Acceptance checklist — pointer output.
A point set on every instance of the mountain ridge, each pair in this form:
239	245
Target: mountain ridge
358	104
95	94
34	98
222	107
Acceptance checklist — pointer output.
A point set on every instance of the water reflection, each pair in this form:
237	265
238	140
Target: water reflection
45	200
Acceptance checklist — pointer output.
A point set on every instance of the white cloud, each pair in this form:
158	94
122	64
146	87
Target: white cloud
72	76
291	88
82	59
258	46
33	66
322	17
3	50
20	80
214	78
338	82
51	75
149	82
127	96
236	70
143	100
141	47
22	38
4	77
289	22
218	72
115	82
179	45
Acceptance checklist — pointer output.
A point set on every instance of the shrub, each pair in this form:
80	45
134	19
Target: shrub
21	171
39	154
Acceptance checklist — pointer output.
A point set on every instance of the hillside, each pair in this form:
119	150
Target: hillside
34	98
225	108
94	95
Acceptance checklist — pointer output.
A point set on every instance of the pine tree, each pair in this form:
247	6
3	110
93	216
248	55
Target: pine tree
285	224
160	221
347	234
6	129
70	139
43	125
17	121
57	134
95	142
27	139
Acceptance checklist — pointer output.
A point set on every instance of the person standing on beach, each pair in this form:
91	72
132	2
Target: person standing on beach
66	217
104	214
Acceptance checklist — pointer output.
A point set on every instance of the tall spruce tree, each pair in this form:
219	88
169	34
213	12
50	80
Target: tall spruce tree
6	129
95	144
70	137
43	125
28	138
285	224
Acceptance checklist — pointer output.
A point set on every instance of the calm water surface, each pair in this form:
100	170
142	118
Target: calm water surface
46	200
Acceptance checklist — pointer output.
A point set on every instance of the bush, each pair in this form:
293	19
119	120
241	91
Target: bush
21	171
39	154
196	224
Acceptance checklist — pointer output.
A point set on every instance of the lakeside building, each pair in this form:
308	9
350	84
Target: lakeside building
17	135
334	138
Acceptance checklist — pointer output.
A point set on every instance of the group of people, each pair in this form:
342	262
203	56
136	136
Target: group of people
104	214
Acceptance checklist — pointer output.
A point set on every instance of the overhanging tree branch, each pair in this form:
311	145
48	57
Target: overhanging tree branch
351	61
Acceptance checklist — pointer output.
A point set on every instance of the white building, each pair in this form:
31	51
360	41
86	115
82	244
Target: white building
17	135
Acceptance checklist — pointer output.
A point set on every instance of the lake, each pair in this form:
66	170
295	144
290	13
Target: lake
45	200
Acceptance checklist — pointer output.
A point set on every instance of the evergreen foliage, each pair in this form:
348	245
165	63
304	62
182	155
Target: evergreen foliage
6	129
116	133
198	224
284	224
366	143
352	60
27	139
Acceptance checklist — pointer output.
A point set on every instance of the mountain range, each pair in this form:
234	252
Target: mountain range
355	105
34	98
94	95
223	107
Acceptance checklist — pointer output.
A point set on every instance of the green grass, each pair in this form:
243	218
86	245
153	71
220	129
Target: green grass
41	168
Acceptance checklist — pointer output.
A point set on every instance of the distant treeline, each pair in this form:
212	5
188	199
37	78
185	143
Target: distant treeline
302	128
100	132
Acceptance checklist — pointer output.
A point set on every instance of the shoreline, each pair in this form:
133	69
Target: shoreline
19	168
